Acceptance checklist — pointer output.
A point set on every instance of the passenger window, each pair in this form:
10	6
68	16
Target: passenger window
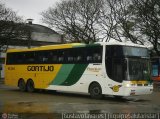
89	58
79	58
94	54
97	57
70	59
60	59
30	57
54	58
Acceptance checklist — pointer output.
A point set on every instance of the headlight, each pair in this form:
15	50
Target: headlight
128	85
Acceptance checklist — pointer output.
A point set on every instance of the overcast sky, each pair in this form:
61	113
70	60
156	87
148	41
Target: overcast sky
30	8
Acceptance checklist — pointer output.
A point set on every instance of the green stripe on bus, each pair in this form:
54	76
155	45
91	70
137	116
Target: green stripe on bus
86	45
75	74
62	74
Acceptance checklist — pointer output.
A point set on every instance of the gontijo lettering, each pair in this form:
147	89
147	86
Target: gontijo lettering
40	68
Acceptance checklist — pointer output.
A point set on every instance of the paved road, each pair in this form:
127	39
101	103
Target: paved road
49	104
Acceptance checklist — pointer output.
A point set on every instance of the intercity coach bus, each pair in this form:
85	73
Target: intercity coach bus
98	69
156	69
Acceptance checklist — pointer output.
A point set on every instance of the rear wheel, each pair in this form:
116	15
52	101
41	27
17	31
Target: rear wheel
30	86
22	85
95	91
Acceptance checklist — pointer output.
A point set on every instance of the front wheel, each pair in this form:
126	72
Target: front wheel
30	86
95	91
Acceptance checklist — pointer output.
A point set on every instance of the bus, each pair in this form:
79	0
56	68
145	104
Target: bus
117	69
155	69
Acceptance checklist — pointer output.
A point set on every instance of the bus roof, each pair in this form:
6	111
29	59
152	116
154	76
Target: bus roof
122	43
71	45
48	47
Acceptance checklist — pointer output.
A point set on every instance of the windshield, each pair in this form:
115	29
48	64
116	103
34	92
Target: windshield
126	51
127	63
135	51
139	69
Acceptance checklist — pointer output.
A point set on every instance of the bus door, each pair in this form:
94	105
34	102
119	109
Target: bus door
117	72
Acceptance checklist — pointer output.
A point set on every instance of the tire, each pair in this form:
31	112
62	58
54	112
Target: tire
22	85
30	86
95	91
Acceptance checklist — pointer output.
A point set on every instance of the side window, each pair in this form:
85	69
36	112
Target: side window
43	57
20	58
16	58
79	54
60	56
53	56
10	58
69	55
74	55
97	55
94	54
30	57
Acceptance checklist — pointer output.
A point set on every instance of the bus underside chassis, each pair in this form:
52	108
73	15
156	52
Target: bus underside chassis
28	86
95	90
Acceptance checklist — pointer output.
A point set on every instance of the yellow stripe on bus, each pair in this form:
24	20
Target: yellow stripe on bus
48	47
139	82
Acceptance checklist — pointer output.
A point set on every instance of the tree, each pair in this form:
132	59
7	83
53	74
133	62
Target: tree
75	18
89	20
11	27
148	16
123	20
118	21
137	20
